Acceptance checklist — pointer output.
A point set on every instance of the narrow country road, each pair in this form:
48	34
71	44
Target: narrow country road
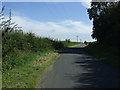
75	68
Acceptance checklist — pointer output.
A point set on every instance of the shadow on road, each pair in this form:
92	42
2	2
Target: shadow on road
73	50
95	73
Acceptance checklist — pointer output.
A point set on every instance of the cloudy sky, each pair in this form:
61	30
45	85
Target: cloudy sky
59	20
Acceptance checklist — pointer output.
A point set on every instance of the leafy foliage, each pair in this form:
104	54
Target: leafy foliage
105	54
106	23
16	43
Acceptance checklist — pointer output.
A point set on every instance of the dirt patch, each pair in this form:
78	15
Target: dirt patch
42	59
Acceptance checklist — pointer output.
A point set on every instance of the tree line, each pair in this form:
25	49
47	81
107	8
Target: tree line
106	22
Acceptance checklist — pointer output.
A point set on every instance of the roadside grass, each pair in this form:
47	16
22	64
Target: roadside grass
69	46
27	76
0	80
105	54
75	45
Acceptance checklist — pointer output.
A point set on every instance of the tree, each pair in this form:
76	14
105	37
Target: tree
85	42
67	40
106	23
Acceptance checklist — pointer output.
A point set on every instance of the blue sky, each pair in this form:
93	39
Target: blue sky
51	11
52	19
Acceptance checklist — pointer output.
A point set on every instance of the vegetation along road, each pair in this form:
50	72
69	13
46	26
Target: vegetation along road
75	68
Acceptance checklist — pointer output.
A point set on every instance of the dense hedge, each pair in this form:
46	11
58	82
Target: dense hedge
15	42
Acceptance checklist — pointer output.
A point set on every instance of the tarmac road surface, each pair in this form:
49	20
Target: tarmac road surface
75	68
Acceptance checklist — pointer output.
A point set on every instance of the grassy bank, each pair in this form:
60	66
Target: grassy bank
71	44
23	68
16	44
25	57
74	45
108	55
27	76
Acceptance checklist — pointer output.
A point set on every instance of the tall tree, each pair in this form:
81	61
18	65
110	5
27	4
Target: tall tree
105	16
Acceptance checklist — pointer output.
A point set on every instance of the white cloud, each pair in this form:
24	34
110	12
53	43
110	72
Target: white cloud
86	3
62	30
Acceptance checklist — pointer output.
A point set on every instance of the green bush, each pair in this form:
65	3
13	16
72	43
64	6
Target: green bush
15	43
106	54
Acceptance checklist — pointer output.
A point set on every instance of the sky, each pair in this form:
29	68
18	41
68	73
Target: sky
58	20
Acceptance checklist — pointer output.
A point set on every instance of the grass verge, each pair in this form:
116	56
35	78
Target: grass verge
105	54
75	45
27	76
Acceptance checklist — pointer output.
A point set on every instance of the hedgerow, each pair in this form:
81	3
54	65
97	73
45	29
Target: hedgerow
16	44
